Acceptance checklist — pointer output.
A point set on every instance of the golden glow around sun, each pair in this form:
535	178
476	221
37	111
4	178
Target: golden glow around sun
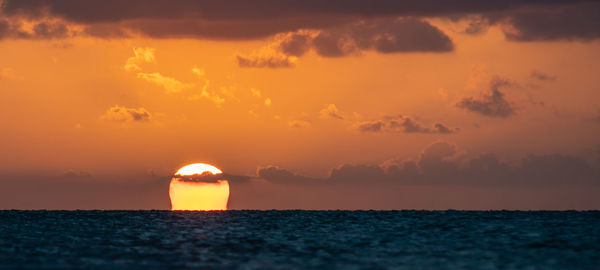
189	194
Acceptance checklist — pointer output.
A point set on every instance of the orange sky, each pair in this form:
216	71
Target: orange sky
133	106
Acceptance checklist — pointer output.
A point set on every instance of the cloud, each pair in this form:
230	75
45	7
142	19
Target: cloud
390	35
204	93
435	160
400	123
332	111
299	124
371	126
15	29
265	61
401	35
439	164
356	173
105	11
171	85
542	76
255	92
529	20
482	181
124	114
280	176
141	55
578	21
491	104
296	44
211	178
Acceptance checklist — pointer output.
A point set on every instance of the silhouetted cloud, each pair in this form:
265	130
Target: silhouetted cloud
41	30
124	114
50	31
382	35
96	11
492	104
542	76
281	176
400	123
356	173
240	19
296	44
439	164
578	21
208	177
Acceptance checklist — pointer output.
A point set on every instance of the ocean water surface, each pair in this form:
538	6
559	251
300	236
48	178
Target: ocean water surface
300	240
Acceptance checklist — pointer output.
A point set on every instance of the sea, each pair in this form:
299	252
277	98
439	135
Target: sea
300	240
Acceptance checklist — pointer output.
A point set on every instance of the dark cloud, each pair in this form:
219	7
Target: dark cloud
79	190
4	28
94	11
440	178
440	164
542	76
240	19
400	123
477	25
296	45
51	31
570	22
492	104
381	35
357	173
42	30
388	35
277	175
435	161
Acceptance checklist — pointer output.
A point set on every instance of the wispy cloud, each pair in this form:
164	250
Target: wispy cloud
141	55
171	85
123	114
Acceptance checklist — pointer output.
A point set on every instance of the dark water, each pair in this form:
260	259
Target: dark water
300	240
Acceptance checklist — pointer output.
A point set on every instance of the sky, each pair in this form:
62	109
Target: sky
306	104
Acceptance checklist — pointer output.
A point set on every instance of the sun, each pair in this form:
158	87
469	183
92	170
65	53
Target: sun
192	188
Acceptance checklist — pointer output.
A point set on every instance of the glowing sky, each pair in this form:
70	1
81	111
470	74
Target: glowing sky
312	104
